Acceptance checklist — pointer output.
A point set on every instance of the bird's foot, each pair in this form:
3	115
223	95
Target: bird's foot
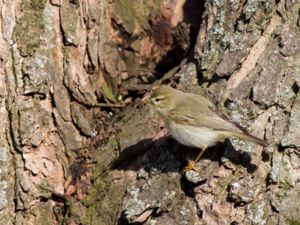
191	166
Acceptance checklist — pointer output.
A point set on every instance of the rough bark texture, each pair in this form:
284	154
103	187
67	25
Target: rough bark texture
80	144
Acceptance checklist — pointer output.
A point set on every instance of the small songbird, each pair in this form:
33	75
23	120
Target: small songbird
195	121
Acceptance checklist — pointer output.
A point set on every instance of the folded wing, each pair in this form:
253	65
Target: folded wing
203	113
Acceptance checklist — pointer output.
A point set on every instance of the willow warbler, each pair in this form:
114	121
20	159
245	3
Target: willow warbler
195	121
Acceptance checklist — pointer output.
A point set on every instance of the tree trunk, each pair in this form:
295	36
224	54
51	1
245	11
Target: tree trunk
80	144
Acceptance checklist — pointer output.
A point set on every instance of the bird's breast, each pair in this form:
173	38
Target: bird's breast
193	136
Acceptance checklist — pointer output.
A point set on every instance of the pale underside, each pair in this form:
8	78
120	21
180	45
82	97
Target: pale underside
194	121
199	137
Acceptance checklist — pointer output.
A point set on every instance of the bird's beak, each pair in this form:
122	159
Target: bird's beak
151	101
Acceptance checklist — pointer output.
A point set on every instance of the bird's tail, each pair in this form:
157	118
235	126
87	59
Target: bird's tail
252	138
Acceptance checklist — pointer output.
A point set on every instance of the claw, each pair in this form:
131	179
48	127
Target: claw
191	166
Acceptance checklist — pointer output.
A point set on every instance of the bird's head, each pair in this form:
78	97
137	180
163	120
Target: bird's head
162	99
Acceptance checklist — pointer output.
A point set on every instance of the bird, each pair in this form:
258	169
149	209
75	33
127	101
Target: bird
194	121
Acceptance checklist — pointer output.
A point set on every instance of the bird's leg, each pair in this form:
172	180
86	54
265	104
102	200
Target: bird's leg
201	153
192	164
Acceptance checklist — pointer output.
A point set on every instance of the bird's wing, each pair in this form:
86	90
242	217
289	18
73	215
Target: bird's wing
207	116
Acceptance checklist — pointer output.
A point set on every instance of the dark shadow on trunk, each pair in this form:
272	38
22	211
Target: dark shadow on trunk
166	155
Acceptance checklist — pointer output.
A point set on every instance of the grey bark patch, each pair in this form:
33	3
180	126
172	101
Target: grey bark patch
245	87
92	50
285	200
243	191
68	133
229	63
217	89
187	76
3	194
62	102
76	79
271	75
285	168
28	33
135	125
37	74
257	212
289	88
70	22
289	41
160	193
34	123
81	120
279	121
291	138
4	154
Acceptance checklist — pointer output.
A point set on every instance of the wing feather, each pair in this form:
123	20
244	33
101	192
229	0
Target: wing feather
203	113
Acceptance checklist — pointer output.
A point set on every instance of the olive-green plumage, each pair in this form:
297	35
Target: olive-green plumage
194	121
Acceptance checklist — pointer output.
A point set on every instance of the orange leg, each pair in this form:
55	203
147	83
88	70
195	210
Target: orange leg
192	163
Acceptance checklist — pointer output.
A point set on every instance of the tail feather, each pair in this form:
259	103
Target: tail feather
252	138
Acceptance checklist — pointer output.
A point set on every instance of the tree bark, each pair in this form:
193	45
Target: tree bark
80	144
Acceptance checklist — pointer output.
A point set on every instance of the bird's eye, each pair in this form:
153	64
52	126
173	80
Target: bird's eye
157	100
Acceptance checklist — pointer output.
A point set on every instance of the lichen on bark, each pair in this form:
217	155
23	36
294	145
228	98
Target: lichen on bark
80	144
